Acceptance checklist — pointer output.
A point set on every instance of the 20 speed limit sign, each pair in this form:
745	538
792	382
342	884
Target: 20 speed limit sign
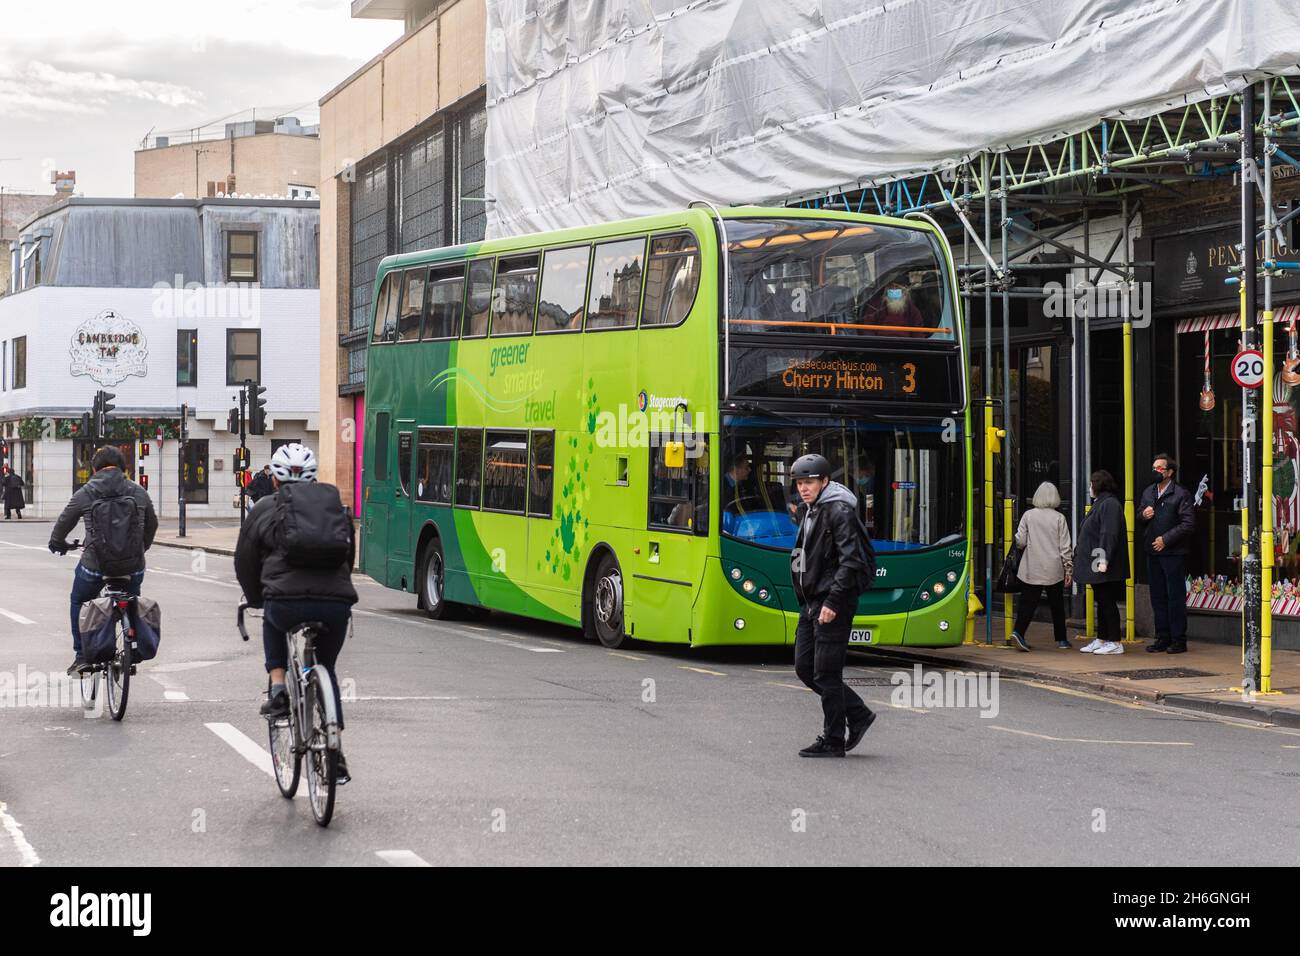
1248	368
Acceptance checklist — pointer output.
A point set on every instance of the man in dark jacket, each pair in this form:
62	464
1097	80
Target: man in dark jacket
108	481
830	566
291	595
1166	510
261	486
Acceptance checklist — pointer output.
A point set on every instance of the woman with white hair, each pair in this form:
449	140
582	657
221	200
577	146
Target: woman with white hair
1047	564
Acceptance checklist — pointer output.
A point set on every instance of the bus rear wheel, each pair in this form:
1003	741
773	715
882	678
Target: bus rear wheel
605	603
433	582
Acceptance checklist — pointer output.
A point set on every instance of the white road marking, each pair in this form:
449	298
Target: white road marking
351	699
461	632
401	858
28	547
180	666
17	618
1091	740
700	670
172	688
26	853
244	746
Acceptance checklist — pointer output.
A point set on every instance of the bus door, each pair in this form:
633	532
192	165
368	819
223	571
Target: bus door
399	514
666	574
377	495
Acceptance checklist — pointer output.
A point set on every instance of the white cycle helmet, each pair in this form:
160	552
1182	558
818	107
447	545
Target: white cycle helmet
293	462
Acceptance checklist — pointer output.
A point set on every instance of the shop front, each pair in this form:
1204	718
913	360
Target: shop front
1189	282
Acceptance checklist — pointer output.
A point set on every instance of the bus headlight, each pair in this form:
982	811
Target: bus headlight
938	587
735	574
762	594
748	586
925	595
952	577
739	623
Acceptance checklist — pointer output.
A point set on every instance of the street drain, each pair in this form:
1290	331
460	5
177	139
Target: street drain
1158	673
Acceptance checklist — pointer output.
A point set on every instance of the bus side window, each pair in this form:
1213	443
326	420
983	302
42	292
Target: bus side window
541	474
408	316
672	279
446	295
679	497
505	471
469	466
386	309
615	299
434	465
564	289
479	299
514	298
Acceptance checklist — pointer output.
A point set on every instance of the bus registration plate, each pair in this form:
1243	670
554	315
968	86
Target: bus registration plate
860	635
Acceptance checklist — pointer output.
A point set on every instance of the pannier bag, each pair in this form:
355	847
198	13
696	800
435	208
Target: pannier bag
147	621
95	621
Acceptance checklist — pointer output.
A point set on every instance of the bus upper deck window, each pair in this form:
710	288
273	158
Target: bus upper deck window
615	299
672	278
445	293
514	297
479	298
564	289
386	309
412	306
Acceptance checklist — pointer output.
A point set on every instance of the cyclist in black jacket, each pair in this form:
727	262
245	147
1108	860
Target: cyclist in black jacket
108	481
291	595
829	568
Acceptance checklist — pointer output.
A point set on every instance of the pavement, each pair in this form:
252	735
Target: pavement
506	741
1207	678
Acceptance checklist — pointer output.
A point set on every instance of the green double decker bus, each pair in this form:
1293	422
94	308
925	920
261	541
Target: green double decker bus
596	426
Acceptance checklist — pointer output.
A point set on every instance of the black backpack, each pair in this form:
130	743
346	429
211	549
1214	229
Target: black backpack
867	577
312	528
119	535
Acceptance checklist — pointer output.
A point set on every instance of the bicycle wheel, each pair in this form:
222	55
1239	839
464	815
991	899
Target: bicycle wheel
117	672
90	691
322	745
286	760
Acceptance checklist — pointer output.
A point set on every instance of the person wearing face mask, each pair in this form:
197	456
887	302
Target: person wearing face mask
894	309
1165	508
1101	559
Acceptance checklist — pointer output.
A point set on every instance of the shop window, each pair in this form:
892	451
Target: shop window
194	471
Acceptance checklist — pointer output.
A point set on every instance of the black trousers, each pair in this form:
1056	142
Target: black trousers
819	654
1169	595
281	616
1028	603
1108	595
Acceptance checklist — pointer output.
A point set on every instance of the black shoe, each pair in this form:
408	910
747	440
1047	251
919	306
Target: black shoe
1161	644
277	706
1177	647
341	775
1065	645
1019	638
823	748
855	733
79	666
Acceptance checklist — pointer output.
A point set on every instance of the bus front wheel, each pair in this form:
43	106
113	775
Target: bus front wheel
605	603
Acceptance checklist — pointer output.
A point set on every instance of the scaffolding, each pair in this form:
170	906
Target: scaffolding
1062	187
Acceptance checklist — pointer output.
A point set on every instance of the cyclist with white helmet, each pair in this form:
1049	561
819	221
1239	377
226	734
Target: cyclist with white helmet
298	577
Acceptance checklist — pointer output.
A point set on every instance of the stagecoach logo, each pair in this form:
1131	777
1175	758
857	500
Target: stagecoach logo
641	400
108	348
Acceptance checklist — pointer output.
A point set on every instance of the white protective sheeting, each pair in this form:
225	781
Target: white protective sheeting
600	109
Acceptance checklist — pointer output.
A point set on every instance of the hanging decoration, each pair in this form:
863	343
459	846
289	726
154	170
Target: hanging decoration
1207	387
1291	364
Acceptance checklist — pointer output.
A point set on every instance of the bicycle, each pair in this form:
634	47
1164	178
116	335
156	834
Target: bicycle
119	668
311	729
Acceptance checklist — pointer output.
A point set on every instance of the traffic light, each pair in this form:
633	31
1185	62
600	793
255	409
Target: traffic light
144	481
232	421
256	409
144	449
103	420
88	423
241	459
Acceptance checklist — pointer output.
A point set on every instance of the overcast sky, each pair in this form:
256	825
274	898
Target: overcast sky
83	81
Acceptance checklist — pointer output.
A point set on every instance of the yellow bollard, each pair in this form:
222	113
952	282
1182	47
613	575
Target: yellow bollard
1089	612
1130	628
1266	516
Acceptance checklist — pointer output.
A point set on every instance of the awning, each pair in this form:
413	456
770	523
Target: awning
1232	320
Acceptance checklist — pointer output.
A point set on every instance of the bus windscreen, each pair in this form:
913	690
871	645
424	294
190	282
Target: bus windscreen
823	277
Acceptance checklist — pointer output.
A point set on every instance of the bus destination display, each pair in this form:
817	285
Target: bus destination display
911	378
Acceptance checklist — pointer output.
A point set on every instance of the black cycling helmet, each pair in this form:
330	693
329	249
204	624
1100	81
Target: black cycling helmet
811	466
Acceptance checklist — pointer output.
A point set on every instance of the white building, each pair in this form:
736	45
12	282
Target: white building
161	302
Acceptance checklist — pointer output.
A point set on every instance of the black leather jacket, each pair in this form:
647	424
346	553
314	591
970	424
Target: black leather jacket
826	564
264	572
1174	518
